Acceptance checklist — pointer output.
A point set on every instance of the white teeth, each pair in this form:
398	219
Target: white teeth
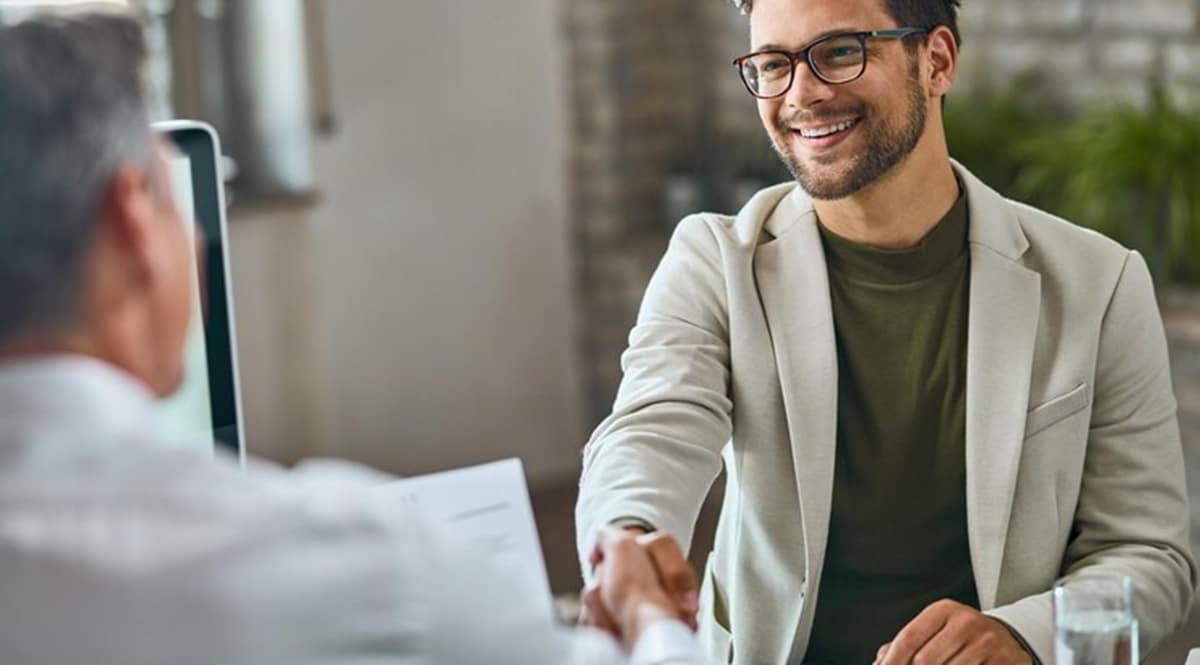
826	131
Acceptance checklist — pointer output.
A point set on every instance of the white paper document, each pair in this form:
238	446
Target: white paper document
486	508
1194	657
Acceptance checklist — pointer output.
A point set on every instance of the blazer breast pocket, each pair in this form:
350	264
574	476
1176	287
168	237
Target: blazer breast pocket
1054	410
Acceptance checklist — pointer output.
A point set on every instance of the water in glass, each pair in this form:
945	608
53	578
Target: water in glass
1094	622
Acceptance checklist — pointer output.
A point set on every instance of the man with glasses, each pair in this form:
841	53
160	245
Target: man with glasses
931	402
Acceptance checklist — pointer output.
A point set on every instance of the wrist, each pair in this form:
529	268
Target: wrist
634	524
643	611
1016	637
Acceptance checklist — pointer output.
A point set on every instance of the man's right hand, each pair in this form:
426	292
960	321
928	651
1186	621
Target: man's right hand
638	580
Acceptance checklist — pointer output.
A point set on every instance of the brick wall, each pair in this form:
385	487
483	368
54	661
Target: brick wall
628	70
1089	49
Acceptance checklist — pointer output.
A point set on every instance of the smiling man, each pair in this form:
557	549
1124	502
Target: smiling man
931	402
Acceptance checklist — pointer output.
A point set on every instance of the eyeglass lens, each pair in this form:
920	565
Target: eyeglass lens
836	60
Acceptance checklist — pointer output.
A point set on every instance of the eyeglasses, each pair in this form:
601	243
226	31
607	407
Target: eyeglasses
835	59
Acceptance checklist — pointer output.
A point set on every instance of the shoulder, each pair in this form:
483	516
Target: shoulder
176	492
1041	241
1075	262
1055	236
770	212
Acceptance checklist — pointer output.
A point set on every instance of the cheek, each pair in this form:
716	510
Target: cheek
182	277
188	282
768	112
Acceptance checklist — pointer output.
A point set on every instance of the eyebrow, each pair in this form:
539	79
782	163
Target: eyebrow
823	35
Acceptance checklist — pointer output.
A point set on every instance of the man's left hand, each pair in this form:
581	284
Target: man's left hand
950	633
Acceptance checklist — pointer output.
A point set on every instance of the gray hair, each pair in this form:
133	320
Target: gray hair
72	111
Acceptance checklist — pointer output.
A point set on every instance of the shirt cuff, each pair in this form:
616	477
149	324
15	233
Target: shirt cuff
628	522
667	642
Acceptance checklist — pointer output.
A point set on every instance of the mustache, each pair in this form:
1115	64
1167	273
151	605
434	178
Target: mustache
804	116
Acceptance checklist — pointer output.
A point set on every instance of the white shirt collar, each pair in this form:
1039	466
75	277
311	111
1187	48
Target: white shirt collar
69	392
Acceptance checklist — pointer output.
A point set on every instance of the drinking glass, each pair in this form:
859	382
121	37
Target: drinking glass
1094	621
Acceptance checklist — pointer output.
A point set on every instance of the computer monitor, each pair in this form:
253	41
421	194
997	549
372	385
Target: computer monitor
206	411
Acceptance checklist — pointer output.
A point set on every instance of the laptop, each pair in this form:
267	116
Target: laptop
206	411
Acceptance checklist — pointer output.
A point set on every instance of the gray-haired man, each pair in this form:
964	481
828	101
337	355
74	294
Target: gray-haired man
117	549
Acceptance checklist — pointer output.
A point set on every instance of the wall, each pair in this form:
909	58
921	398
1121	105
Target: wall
1089	48
418	317
659	121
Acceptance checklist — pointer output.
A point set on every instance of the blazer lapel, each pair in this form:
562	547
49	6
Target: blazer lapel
1004	303
1002	325
794	288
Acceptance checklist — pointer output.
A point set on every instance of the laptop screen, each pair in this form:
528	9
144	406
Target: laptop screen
206	409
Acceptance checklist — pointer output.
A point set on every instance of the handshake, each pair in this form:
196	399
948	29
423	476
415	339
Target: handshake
638	580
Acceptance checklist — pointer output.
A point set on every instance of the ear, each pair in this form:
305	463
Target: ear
128	217
943	60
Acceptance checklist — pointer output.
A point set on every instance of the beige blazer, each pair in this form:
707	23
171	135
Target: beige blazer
1073	454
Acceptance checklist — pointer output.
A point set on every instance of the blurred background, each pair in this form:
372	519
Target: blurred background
444	212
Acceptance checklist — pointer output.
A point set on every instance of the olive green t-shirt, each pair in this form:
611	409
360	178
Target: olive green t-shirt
898	526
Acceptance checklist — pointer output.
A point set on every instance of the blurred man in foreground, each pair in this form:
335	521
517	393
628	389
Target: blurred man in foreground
116	548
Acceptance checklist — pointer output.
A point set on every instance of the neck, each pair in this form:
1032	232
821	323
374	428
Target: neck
80	342
71	345
901	208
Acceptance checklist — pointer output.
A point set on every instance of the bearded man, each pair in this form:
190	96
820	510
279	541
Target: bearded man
931	402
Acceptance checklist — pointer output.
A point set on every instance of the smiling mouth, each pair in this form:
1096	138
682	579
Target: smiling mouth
827	130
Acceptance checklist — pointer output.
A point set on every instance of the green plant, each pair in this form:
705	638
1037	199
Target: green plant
985	125
1132	173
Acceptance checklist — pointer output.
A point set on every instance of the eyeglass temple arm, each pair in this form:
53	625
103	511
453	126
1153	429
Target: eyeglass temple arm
898	32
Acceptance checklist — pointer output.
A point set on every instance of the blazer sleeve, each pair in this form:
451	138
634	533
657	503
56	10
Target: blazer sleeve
1132	515
654	459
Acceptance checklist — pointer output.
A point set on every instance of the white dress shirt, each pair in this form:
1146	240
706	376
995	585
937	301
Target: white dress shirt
117	549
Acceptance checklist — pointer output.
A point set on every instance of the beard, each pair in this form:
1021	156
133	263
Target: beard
887	144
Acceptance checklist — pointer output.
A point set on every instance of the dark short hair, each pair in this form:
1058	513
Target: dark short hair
908	13
72	111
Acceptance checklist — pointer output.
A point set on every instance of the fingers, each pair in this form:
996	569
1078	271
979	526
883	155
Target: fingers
881	653
972	655
990	642
596	555
943	647
949	633
918	632
595	614
629	589
604	535
607	538
674	571
650	566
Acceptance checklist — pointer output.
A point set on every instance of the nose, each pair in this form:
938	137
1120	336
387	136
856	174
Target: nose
807	89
